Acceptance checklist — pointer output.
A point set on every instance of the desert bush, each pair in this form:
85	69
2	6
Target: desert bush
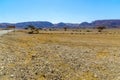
65	28
33	29
88	31
100	28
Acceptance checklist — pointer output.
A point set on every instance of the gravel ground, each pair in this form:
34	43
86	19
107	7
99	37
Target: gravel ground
2	32
31	60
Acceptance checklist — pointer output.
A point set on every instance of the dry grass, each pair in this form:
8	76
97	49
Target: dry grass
60	56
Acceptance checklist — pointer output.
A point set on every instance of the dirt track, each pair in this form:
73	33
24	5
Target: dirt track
2	32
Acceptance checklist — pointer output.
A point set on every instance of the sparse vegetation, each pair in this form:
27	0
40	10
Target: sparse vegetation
65	28
88	31
101	28
60	56
33	29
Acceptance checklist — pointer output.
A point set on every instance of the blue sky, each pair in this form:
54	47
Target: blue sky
74	11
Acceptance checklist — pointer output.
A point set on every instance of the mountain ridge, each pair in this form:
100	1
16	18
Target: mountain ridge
112	23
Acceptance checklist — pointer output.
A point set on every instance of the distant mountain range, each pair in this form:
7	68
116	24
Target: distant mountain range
46	24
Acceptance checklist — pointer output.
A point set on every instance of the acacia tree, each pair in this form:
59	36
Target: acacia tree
33	29
65	28
100	28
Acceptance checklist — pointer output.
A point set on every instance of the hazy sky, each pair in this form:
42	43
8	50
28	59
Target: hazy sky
55	11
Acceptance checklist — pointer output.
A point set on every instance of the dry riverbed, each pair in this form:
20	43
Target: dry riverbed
59	56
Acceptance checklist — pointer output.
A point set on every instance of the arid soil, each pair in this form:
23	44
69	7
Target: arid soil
60	56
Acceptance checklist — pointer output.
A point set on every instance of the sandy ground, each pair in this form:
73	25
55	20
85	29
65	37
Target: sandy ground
2	32
88	56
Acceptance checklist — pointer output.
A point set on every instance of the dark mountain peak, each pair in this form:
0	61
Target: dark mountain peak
84	25
61	24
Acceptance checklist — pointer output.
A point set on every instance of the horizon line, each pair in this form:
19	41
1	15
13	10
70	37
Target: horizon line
59	22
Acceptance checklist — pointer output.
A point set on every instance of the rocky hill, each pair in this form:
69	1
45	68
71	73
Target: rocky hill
39	24
107	23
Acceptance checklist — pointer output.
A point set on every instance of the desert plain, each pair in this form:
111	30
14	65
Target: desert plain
60	55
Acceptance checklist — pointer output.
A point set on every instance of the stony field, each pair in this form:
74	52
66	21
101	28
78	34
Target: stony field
60	56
